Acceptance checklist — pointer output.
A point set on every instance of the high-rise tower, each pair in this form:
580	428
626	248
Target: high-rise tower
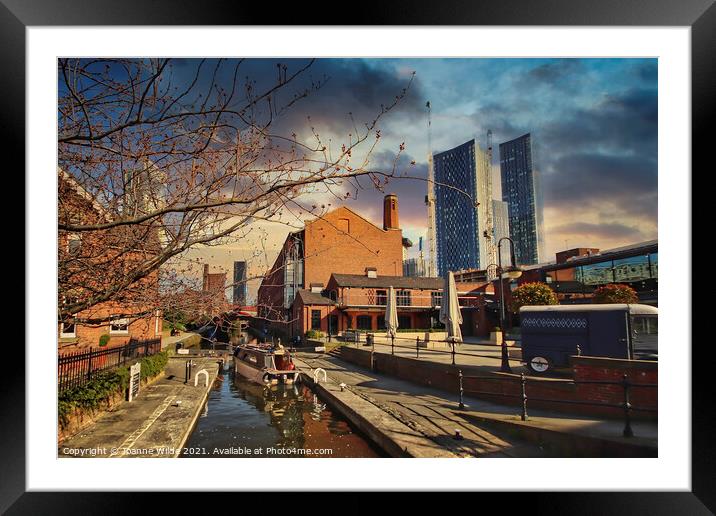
463	208
521	191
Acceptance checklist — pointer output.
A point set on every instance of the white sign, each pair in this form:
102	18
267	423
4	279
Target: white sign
135	374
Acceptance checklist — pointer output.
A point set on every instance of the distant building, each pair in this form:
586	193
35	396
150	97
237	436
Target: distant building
577	273
239	287
522	193
415	267
463	208
213	282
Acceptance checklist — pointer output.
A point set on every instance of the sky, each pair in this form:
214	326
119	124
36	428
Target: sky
593	124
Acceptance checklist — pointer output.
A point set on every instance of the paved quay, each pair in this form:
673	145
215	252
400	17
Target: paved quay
487	429
169	342
156	424
419	422
481	353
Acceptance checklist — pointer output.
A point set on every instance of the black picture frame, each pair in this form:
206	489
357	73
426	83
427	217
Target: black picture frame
700	15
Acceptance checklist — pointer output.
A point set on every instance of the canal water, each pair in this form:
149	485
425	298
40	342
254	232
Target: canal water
245	419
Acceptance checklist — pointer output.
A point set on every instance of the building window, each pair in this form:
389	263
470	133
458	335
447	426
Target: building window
381	297
119	326
315	319
403	297
436	298
381	322
68	330
364	322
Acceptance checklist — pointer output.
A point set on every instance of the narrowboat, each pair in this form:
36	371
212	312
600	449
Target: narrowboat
264	364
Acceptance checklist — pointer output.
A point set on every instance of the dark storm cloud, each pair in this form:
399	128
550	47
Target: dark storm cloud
594	180
555	73
611	230
346	86
359	89
409	185
623	122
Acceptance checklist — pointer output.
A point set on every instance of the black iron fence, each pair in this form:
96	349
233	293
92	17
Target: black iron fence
625	384
79	367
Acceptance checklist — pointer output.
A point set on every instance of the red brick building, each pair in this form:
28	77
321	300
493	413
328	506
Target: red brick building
77	252
339	241
357	301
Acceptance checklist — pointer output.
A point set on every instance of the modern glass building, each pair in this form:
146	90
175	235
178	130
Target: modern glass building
576	279
463	208
501	227
522	193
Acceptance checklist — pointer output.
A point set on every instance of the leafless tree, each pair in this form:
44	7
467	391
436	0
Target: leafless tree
156	162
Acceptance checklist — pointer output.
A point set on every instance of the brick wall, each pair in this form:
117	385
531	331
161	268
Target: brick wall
506	390
86	336
346	243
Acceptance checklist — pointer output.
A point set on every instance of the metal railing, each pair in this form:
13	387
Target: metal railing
390	341
625	384
76	368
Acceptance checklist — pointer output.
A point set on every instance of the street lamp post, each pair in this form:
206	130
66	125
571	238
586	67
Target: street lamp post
512	272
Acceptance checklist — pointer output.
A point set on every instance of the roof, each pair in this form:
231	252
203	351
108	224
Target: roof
339	208
632	308
412	282
313	298
641	247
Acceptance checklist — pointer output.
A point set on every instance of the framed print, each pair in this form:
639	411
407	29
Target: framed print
372	249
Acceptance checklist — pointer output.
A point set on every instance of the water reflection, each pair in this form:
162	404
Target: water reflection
245	419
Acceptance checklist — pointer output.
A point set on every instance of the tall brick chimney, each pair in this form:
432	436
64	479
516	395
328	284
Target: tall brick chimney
390	212
205	278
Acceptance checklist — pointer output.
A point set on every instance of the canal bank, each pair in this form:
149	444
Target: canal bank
155	424
480	429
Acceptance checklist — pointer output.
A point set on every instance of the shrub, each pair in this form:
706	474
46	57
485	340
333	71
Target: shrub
153	365
104	386
532	294
314	334
92	394
615	293
103	340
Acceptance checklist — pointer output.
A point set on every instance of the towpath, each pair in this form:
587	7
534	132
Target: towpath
155	424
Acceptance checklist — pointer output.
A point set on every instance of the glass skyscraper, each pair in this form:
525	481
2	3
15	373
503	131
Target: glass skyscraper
521	191
501	228
463	208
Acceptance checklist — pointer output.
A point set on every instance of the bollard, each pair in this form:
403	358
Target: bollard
628	432
187	371
523	382
392	344
453	352
459	377
417	347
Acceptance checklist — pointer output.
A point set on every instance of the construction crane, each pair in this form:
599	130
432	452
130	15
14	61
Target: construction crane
430	202
489	215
